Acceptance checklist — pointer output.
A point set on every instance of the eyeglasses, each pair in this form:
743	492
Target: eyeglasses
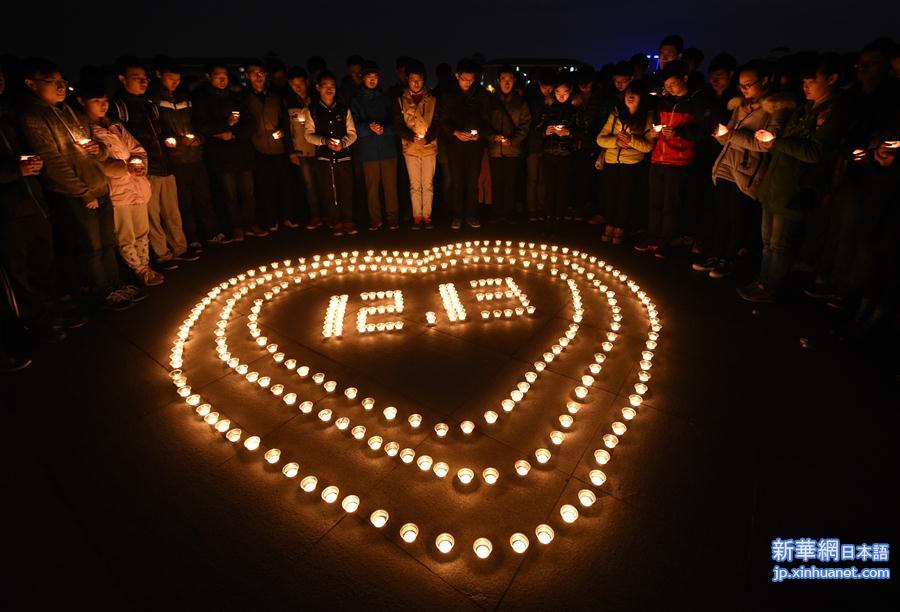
749	85
58	83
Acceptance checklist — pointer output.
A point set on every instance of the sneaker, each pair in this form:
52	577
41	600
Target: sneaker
722	270
167	264
394	225
473	223
150	277
273	228
428	224
133	292
350	229
375	228
697	248
257	231
188	255
338	230
314	223
661	252
709	264
756	292
220	238
72	320
117	300
457	223
643	247
197	247
290	224
416	224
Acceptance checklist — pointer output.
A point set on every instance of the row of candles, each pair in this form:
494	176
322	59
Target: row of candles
568	512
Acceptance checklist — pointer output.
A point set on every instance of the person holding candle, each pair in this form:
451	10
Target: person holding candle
184	149
129	188
373	115
509	121
303	154
74	181
585	176
561	124
416	124
741	165
272	173
224	124
539	95
135	110
625	140
330	128
682	118
796	178
463	125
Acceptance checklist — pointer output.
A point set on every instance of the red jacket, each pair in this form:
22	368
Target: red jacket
689	115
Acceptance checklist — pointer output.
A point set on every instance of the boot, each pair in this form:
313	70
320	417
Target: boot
607	233
617	234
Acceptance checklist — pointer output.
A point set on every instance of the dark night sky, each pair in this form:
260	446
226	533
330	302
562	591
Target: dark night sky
595	32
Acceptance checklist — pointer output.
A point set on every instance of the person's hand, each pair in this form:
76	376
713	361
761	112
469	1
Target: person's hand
191	142
550	131
232	120
334	146
563	131
463	136
668	131
92	205
885	156
91	148
137	169
623	140
171	142
295	159
31	166
224	136
419	139
377	128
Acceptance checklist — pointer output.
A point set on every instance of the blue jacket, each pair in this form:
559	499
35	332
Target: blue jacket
374	106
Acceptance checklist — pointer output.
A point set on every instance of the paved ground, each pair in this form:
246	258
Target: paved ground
123	499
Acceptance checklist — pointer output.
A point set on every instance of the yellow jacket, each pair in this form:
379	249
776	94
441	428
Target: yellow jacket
640	144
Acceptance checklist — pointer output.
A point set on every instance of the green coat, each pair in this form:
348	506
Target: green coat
802	156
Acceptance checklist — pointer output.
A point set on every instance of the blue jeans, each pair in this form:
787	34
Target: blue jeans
779	238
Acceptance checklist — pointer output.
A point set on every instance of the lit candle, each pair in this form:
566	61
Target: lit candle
610	441
482	548
587	498
290	470
407	455
490	417
273	455
424	462
441	429
522	467
490	475
375	442
542	455
391	449
557	437
721	130
597	477
764	136
171	142
444	542
569	513
507	405
544	533
519	542
368	403
440	469
581	392
325	415
234	435
330	494
628	413
350	393
619	428
465	475
389	413
308	484
350	503
251	443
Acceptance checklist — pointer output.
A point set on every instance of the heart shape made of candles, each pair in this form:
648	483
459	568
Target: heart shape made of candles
575	269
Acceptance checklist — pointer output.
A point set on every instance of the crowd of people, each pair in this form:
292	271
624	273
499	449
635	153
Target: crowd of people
112	181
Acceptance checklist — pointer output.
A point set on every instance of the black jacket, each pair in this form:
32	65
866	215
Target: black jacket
175	117
141	118
464	111
20	196
212	107
564	114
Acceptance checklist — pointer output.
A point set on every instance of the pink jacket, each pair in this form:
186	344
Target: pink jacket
126	190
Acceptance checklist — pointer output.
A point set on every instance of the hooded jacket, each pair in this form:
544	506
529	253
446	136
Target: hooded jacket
742	160
509	116
689	115
417	119
802	156
269	118
127	189
52	132
212	107
374	106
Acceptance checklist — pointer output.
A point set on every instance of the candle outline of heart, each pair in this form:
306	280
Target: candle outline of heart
252	443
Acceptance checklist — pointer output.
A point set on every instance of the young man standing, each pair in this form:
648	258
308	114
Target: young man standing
464	124
330	128
417	126
353	81
225	126
509	120
184	148
373	115
303	154
540	97
272	170
74	182
133	109
682	118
